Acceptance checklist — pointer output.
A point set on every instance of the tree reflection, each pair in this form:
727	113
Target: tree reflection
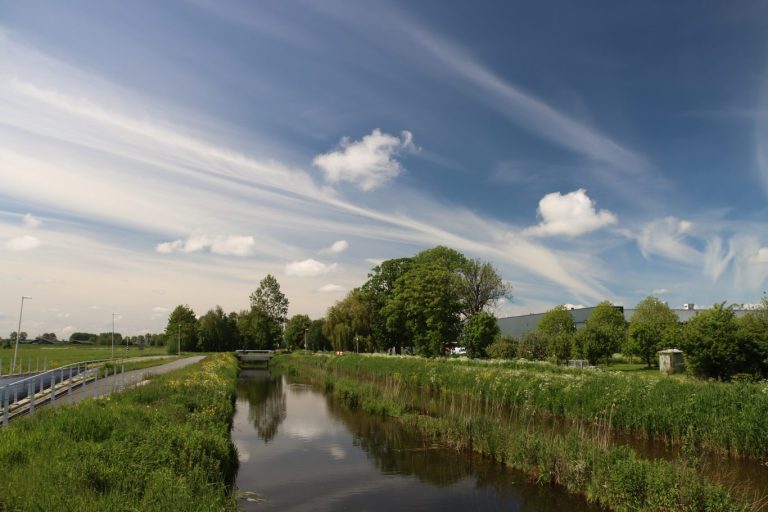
266	400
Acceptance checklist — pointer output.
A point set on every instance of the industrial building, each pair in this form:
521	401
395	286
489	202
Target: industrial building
516	326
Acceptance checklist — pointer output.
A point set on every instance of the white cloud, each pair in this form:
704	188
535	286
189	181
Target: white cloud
574	306
571	214
374	261
665	238
30	221
22	243
336	247
368	163
160	309
68	329
309	268
230	245
328	288
760	257
660	291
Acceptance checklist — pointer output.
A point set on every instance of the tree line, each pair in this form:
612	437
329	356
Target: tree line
717	344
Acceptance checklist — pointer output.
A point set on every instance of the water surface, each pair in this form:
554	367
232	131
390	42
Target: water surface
302	452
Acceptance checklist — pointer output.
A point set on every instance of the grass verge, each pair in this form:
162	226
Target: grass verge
161	447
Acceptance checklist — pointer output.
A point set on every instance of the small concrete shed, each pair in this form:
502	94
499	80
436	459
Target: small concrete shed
671	361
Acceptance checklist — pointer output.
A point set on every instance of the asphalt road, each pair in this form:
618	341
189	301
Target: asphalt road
111	384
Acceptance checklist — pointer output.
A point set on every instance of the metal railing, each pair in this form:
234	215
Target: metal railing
21	396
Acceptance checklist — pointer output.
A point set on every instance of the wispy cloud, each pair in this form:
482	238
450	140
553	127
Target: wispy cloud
30	221
336	247
225	245
525	109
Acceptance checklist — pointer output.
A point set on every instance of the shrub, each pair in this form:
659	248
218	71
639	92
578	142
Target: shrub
502	348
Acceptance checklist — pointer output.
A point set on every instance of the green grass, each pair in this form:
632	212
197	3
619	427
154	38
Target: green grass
724	417
161	447
138	365
59	355
583	463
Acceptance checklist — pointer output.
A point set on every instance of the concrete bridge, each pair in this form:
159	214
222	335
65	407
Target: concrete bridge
252	356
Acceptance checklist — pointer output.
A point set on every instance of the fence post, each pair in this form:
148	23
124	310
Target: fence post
31	397
53	386
5	407
96	384
69	385
123	376
15	393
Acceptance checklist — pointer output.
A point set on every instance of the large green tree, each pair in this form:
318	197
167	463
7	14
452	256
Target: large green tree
182	326
557	328
478	332
754	327
426	297
258	331
217	331
315	337
387	328
649	328
481	287
348	323
715	345
296	331
269	299
604	334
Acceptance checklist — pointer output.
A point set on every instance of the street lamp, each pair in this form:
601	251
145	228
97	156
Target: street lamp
113	334
18	334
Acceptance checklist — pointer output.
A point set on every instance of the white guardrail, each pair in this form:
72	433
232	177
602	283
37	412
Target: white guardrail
21	393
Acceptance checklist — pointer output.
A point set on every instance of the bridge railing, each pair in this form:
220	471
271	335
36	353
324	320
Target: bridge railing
21	395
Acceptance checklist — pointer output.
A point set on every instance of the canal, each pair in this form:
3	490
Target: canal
299	451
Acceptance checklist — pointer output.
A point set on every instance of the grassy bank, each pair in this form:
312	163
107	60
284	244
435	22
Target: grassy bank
584	464
717	416
163	446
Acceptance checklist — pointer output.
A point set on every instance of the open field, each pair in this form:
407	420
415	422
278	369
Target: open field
58	355
163	446
578	460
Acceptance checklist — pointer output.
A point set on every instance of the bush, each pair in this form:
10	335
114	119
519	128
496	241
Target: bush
502	348
533	346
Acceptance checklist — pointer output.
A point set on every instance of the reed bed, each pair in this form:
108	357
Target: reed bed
723	417
581	460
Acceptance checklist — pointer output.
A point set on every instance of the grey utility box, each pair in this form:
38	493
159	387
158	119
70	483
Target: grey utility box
671	361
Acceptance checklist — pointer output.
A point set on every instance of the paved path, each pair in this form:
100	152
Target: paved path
110	384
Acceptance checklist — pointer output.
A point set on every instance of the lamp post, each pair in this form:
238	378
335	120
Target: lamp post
305	337
18	333
113	334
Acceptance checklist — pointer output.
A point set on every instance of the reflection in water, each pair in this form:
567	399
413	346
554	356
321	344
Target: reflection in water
325	457
266	399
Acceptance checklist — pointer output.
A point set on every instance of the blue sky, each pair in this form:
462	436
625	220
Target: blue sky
156	153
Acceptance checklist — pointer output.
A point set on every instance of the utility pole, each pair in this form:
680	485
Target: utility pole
113	335
18	334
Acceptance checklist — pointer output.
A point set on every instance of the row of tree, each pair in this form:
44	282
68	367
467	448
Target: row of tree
264	326
433	299
716	343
